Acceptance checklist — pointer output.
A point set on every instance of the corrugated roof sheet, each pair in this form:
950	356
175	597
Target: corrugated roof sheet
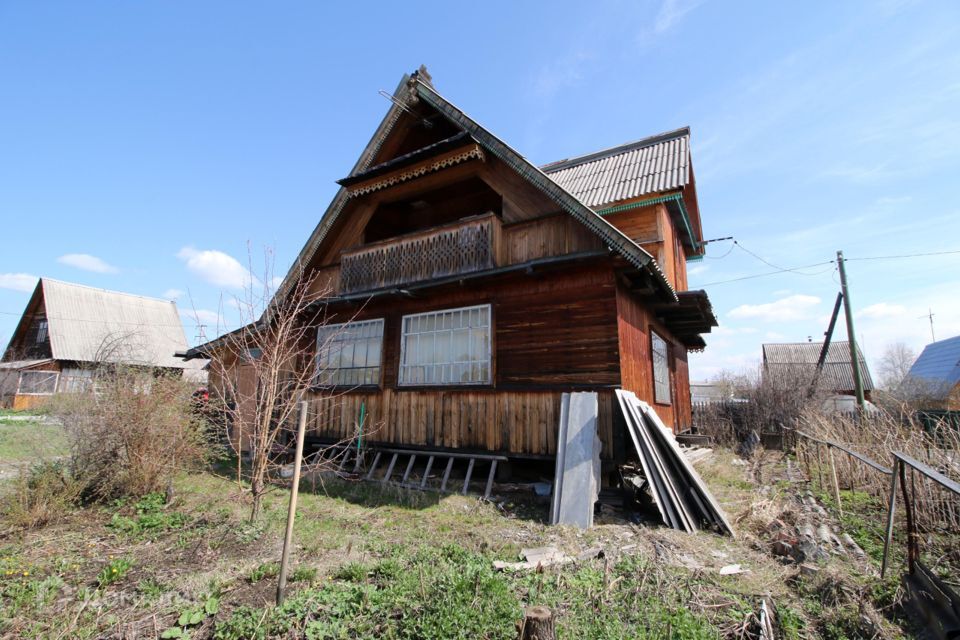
783	361
89	325
655	164
939	363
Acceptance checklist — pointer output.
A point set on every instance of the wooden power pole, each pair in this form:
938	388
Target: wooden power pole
851	336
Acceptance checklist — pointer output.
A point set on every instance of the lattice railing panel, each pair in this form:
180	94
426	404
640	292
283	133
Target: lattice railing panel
447	251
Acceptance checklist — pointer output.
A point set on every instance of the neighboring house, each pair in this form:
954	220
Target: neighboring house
709	393
792	364
935	376
480	287
68	330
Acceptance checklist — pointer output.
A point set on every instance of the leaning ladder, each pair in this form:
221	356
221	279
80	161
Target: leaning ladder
397	455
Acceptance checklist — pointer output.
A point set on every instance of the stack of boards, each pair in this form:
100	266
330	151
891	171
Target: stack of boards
576	482
678	491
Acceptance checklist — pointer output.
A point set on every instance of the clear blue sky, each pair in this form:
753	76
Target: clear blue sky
150	147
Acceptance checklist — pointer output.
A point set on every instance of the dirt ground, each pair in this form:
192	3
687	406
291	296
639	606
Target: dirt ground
373	561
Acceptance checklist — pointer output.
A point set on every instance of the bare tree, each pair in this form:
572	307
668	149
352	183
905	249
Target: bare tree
261	371
894	365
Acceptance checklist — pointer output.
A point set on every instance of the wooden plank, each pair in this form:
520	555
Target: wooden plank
489	488
446	475
373	467
466	479
393	462
406	474
426	473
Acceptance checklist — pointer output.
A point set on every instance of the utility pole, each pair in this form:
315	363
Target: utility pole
851	335
930	315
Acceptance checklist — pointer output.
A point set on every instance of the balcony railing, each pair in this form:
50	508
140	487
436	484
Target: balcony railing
463	247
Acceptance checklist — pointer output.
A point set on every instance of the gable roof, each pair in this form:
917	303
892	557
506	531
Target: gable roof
781	361
414	88
651	165
939	362
86	324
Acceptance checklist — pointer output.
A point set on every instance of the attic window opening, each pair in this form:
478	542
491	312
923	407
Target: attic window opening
41	332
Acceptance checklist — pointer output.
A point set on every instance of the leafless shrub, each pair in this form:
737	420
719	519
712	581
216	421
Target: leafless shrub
131	431
260	372
40	494
877	436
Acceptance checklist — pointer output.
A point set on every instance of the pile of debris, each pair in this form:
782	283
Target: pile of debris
811	539
680	494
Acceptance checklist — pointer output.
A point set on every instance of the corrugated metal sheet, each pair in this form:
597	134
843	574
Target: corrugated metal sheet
939	363
89	325
782	362
652	165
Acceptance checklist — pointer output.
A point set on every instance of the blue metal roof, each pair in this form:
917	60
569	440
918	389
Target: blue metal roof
940	362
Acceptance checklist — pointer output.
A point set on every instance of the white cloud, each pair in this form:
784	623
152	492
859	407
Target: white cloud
210	319
794	307
18	281
87	262
672	12
172	294
882	310
276	282
216	267
698	269
775	336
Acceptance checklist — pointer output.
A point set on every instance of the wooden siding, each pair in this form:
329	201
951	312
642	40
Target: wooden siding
636	364
552	235
652	228
513	422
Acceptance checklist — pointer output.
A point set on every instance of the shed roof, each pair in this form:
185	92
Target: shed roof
86	324
782	360
651	165
939	363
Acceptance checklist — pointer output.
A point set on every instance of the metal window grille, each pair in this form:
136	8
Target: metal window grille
38	383
348	354
41	332
75	380
446	347
661	369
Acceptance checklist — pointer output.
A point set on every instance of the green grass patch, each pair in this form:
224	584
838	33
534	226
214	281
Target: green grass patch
23	440
149	518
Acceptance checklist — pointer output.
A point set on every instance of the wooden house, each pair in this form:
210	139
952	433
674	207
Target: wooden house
481	287
934	378
68	330
787	363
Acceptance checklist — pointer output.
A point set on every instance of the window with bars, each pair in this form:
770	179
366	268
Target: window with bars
661	369
348	354
446	347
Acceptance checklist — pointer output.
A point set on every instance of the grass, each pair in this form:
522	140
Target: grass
24	440
382	563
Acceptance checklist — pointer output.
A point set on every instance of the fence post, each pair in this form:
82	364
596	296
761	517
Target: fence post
890	511
819	466
836	485
292	510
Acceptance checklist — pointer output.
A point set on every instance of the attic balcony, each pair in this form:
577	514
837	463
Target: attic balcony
466	246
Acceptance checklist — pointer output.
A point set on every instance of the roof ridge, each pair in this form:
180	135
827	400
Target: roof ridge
649	141
101	289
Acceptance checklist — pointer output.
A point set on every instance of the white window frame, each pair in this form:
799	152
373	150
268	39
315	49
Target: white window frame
448	371
51	374
42	331
660	355
343	334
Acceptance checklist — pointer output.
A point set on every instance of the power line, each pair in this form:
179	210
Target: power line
905	255
773	273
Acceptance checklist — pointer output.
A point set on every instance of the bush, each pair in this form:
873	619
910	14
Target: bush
131	432
41	494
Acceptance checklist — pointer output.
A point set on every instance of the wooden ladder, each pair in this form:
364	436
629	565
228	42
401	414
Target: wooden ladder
397	455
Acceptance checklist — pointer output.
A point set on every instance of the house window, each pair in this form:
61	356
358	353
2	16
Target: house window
446	347
348	354
661	369
38	383
41	332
